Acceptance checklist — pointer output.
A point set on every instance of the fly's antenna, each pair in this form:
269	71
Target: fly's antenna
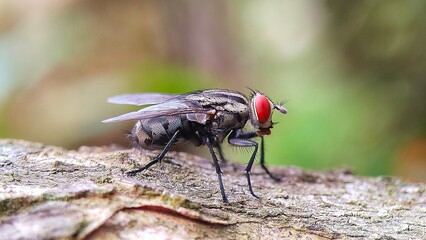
280	107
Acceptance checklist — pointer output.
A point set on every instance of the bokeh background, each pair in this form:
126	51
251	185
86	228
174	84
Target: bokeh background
353	74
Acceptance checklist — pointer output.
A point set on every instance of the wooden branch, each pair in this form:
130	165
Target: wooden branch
48	192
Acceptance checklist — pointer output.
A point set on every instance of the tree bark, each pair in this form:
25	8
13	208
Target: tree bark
48	192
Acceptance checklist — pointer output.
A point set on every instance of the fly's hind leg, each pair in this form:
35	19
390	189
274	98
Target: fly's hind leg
158	158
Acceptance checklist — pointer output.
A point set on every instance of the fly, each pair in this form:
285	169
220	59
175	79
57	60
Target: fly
206	117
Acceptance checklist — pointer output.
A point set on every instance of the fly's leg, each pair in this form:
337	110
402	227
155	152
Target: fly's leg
262	160
218	171
222	157
157	159
249	135
235	140
220	152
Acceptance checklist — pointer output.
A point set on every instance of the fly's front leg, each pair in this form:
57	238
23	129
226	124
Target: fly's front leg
236	140
157	159
262	160
249	135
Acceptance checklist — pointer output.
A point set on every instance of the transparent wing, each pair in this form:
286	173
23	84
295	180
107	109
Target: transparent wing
167	108
139	99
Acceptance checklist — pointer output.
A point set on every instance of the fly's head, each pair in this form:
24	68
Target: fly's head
261	112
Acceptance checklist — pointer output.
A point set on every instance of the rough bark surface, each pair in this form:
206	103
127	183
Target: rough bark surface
48	192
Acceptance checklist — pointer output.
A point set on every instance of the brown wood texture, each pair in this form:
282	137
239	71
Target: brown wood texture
47	192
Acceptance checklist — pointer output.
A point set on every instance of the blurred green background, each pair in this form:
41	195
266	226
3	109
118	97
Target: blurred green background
353	73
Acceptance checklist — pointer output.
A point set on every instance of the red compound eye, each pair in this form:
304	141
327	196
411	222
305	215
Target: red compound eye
263	108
